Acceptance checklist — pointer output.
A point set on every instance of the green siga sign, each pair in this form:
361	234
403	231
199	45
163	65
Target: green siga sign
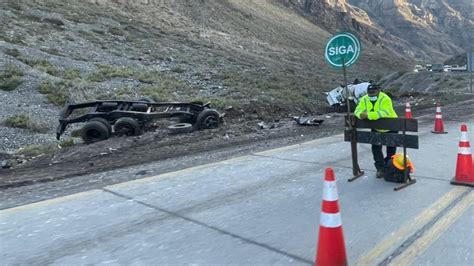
342	47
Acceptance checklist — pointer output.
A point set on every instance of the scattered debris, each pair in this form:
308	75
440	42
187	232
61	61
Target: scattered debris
262	125
142	172
12	162
6	164
308	120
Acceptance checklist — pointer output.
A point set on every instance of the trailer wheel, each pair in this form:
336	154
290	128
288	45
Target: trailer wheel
148	100
127	126
103	121
208	118
94	131
109	104
180	128
140	107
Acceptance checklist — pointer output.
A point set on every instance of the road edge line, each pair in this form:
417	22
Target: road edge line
409	227
62	199
420	245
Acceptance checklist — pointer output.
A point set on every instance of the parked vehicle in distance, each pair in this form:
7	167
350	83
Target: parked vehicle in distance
419	68
459	68
437	68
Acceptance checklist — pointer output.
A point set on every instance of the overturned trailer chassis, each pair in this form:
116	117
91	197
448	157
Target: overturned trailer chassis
131	116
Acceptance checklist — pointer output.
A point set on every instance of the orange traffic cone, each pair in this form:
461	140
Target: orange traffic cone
439	125
464	166
331	247
408	111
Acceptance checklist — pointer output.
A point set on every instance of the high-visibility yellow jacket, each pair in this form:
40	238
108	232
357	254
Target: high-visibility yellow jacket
382	108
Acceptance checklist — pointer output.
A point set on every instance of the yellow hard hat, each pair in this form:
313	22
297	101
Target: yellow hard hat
397	161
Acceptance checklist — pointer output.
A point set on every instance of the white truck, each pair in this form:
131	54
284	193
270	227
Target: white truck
337	97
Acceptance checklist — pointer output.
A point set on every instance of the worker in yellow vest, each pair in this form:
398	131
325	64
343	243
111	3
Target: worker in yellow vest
373	106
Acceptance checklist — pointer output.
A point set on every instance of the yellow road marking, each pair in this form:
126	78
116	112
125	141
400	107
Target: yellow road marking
411	226
49	202
421	244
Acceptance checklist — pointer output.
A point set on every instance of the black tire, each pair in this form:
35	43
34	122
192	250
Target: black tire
140	107
208	118
148	100
127	126
103	121
109	105
180	128
94	131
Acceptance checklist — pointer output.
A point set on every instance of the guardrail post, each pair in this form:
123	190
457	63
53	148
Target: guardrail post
356	172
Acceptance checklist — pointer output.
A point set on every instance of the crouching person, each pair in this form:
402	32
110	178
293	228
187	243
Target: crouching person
395	170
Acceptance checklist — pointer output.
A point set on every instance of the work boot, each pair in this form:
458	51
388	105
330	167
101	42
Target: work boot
379	173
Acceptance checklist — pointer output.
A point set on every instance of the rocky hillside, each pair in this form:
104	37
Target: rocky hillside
425	30
254	59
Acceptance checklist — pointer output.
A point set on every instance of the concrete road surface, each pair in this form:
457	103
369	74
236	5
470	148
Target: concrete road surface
258	209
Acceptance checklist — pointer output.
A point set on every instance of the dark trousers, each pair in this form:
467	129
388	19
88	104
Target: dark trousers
379	161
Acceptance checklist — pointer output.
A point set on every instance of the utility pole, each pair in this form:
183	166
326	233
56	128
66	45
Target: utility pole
470	66
470	46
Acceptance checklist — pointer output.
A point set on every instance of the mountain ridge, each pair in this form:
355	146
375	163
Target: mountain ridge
424	29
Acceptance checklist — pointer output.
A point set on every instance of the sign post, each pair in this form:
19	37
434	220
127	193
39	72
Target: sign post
470	67
342	51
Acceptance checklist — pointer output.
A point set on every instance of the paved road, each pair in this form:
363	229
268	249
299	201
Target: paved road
257	209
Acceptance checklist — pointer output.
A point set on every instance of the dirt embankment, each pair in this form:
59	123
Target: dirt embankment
258	56
158	145
231	138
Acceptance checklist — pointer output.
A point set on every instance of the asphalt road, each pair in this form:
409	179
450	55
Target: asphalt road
261	208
